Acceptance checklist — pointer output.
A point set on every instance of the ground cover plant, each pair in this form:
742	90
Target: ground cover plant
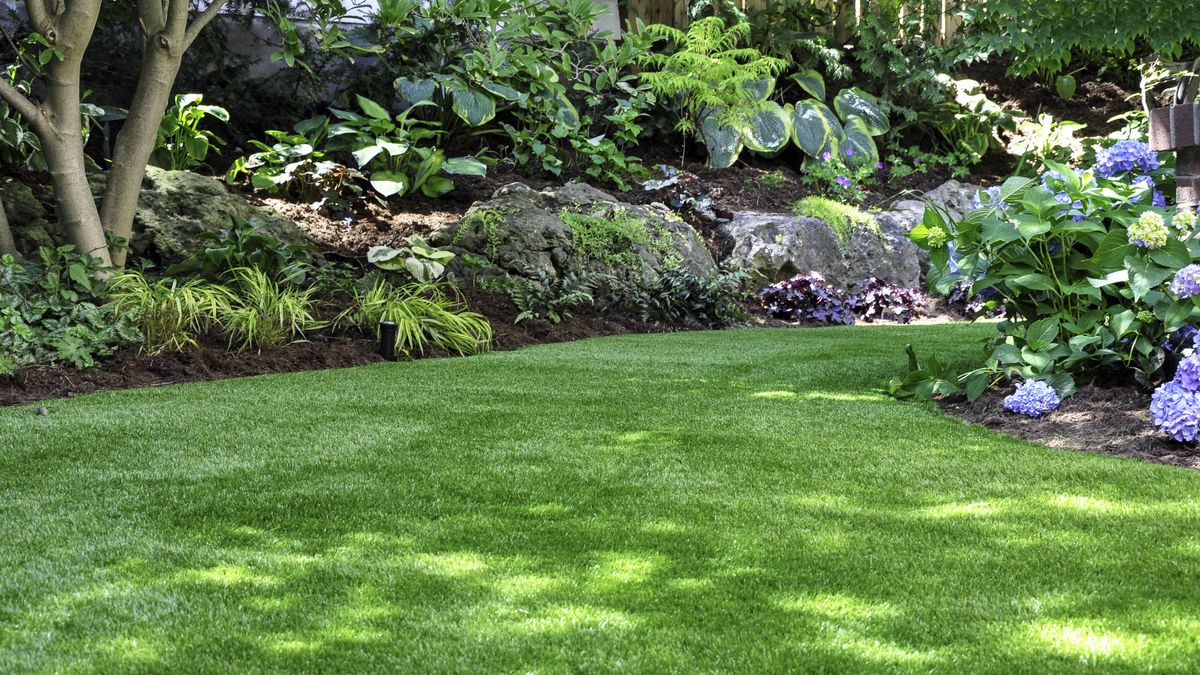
665	502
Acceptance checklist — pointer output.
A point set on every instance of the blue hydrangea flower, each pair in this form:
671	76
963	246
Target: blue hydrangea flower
1187	281
1125	156
1033	398
1187	374
988	198
1176	411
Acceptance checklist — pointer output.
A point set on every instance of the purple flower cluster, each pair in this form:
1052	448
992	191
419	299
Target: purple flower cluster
805	297
1033	398
988	198
1176	411
877	299
1187	281
1127	155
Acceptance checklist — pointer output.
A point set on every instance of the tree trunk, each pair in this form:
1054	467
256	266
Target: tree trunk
136	141
7	244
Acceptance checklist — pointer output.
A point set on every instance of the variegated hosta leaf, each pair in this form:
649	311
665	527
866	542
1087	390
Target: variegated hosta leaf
465	166
415	91
503	91
566	114
474	106
389	183
769	128
857	146
815	129
760	90
858	103
722	140
811	82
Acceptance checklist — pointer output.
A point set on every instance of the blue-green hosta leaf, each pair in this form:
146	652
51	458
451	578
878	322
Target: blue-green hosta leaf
815	129
214	111
857	146
723	141
854	102
769	128
759	90
474	106
430	167
386	257
389	183
465	166
811	82
437	186
414	91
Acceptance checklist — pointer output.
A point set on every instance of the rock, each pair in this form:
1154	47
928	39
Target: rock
522	231
27	217
176	207
952	195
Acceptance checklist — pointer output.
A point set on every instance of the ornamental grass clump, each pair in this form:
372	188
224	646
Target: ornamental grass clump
1033	398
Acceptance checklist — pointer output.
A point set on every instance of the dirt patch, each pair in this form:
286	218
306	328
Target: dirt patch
1104	420
211	360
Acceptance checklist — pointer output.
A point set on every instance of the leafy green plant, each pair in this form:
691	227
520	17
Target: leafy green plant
542	297
832	176
423	261
388	148
182	143
169	314
1081	264
427	315
968	123
295	164
717	90
266	313
684	298
849	133
618	238
246	244
1044	138
52	312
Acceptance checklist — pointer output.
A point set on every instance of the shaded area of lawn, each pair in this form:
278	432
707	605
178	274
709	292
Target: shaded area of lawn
739	500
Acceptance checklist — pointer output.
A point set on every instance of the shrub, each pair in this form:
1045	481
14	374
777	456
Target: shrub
245	244
1081	262
52	313
169	314
683	298
805	297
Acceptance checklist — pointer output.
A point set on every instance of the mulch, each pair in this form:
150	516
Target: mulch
1108	420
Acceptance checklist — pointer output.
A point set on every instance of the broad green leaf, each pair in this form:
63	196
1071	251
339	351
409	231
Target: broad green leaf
465	166
389	183
415	91
386	257
759	90
565	112
1034	282
372	108
812	82
365	154
723	142
769	129
857	146
815	129
503	91
430	166
1174	255
854	102
437	186
1065	86
475	107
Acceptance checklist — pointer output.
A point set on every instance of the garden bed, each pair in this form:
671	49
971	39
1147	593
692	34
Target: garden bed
1103	420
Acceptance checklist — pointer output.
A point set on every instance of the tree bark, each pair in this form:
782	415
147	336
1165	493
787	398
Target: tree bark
7	244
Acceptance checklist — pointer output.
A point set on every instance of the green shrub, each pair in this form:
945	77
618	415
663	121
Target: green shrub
52	312
841	218
265	313
1080	263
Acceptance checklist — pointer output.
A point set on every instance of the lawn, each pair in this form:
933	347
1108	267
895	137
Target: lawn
746	500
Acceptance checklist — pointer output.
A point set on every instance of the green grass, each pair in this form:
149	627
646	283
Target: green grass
728	501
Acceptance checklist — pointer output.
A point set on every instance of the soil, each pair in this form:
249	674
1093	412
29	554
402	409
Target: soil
1095	101
212	360
1098	419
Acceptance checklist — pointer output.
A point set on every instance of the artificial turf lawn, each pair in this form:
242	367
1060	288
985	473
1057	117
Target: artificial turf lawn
745	500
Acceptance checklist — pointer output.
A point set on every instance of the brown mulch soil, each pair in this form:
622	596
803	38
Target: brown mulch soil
212	360
1105	420
1095	101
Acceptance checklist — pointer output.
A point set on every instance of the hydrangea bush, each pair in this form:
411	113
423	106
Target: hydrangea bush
1175	406
1033	398
1093	277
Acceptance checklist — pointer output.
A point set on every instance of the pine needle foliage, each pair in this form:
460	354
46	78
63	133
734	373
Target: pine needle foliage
704	71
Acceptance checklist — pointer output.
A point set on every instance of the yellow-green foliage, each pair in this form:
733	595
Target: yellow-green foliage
841	218
707	70
613	237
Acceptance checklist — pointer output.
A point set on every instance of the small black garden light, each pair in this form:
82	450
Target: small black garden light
387	340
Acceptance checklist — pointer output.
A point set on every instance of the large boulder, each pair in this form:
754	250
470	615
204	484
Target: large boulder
176	207
954	197
27	217
780	246
522	231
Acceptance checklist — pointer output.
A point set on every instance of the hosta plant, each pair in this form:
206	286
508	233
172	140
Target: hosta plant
1083	264
848	130
422	260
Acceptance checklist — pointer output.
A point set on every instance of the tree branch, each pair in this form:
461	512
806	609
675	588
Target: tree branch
24	107
198	24
38	15
151	17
